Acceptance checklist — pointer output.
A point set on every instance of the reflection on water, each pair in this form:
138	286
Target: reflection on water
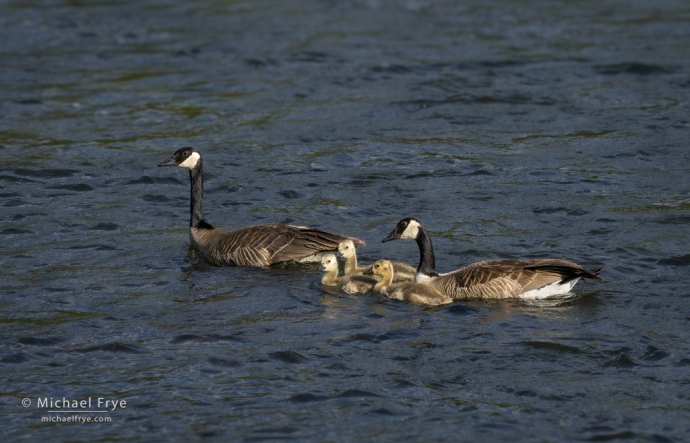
516	129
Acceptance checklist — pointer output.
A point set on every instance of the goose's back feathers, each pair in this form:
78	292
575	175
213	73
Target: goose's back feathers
264	245
512	279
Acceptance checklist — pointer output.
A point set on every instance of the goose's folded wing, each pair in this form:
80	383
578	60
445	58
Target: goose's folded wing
567	270
250	246
508	278
477	282
298	242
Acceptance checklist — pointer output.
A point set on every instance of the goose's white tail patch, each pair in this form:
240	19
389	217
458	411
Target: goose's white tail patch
549	290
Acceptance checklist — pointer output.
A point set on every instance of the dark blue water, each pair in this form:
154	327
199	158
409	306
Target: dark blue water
511	129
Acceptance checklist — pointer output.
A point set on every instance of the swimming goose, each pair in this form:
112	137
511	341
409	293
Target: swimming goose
347	250
527	279
260	245
352	284
409	291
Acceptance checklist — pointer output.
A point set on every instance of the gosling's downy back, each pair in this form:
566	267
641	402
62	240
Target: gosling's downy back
408	291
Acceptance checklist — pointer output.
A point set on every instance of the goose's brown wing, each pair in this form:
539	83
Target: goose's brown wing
508	278
303	241
264	245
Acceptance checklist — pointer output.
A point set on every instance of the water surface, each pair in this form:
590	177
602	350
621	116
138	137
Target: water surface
511	129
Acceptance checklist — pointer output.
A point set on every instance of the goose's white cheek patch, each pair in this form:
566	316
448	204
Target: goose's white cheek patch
411	231
191	161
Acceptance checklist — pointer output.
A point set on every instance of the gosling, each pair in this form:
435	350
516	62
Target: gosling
352	284
346	249
417	293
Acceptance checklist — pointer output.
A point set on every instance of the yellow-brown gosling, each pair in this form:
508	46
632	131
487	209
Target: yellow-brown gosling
352	284
260	245
417	293
347	251
492	279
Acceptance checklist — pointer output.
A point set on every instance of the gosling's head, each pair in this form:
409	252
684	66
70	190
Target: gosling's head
407	228
328	263
381	268
346	249
188	158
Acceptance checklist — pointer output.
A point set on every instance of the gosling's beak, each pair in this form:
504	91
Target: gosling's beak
391	236
339	254
369	271
168	162
321	267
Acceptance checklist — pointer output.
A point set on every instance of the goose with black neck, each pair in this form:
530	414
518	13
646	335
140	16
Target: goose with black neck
259	245
492	279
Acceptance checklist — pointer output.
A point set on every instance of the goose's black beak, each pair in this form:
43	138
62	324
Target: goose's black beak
369	271
168	162
391	236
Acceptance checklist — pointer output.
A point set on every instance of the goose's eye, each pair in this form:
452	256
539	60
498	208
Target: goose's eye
404	224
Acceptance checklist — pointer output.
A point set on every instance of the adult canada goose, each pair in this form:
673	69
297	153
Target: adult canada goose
528	279
352	284
347	250
260	245
409	291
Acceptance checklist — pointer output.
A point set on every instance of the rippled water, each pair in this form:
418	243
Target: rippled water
511	129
